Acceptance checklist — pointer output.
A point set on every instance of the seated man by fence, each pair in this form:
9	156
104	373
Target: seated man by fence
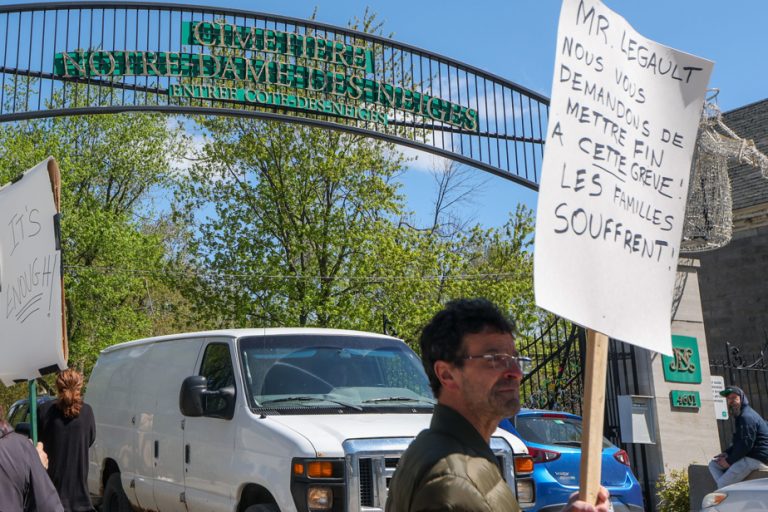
749	448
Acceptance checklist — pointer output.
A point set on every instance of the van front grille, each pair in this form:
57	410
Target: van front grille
371	463
366	483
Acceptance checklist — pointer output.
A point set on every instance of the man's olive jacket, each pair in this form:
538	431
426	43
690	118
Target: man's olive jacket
449	467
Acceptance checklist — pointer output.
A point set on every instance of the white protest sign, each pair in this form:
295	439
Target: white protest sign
31	328
621	133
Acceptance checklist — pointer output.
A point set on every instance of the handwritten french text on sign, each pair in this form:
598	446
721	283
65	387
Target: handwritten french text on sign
30	278
621	133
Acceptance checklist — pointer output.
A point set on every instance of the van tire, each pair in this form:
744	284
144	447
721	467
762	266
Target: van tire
264	507
115	499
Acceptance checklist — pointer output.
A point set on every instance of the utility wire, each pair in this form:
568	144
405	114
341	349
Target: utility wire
76	269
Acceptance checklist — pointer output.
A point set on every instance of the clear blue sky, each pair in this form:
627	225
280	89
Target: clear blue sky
515	39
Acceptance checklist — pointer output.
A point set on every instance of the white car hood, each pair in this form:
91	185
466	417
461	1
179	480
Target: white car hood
327	432
757	484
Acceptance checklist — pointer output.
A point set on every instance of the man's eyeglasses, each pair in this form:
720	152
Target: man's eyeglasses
499	361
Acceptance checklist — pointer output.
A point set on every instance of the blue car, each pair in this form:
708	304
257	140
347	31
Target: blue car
554	441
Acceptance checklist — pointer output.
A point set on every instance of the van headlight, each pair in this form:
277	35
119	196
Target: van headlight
525	490
318	484
319	497
713	498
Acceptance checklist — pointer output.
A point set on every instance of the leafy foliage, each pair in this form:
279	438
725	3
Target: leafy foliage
673	491
295	211
302	226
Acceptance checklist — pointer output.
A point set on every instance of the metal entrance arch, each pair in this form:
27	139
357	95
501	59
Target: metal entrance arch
73	58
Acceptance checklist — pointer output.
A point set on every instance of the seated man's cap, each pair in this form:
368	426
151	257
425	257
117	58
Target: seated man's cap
731	389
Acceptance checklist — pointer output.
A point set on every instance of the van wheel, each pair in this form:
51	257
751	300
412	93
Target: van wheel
264	507
115	499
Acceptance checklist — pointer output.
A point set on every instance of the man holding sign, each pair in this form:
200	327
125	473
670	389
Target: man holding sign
468	351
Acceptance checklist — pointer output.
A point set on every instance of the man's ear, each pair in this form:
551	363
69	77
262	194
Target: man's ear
446	374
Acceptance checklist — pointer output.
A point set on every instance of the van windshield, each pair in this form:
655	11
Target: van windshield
296	373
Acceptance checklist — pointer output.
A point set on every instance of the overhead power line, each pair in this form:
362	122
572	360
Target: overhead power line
76	269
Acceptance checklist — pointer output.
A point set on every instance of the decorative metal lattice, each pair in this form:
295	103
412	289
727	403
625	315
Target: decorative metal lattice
737	360
709	211
100	57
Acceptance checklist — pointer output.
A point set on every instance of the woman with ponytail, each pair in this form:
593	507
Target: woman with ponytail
67	429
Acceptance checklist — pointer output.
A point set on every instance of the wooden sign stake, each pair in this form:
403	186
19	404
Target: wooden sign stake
592	416
55	175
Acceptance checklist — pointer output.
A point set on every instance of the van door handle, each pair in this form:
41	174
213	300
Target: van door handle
157	448
186	453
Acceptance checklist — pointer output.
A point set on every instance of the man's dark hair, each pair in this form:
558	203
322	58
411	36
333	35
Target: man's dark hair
441	339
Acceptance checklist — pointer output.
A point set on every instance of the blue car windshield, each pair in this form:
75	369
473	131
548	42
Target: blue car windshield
330	371
552	429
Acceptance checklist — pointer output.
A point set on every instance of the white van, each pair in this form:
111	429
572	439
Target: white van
261	420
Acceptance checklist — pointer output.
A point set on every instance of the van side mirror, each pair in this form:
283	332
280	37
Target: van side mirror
227	393
191	401
225	407
194	394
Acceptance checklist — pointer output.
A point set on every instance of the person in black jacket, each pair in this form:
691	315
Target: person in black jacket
67	429
24	485
749	448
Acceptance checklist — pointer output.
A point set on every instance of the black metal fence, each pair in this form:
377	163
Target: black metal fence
557	383
750	373
622	379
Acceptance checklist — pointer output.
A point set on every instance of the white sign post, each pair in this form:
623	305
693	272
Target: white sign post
621	132
32	331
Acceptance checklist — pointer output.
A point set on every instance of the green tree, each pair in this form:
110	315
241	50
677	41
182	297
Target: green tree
294	215
673	491
493	263
301	226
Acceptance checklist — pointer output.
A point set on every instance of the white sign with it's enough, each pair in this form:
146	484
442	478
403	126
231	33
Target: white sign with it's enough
621	132
30	279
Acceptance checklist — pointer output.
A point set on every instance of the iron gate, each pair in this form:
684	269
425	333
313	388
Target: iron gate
557	383
622	379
